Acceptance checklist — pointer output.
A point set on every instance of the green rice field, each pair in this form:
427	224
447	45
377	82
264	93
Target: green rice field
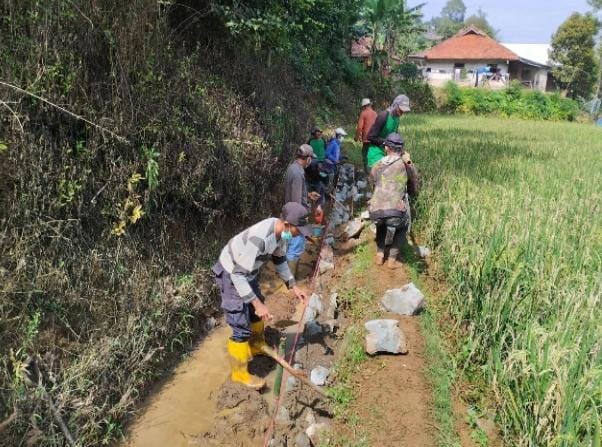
513	213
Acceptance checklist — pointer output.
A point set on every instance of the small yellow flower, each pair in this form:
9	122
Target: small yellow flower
118	228
137	213
135	178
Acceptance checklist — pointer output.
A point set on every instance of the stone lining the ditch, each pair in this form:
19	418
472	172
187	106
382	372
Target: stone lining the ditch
385	336
354	228
408	300
319	375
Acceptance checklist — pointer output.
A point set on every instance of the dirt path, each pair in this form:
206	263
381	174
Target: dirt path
394	399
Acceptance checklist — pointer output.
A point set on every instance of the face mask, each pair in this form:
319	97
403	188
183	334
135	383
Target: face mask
286	235
341	137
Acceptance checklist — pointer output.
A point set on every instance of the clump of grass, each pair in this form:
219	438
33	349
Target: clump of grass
355	303
513	211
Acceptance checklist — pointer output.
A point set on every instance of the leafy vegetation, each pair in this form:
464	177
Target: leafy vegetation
390	23
513	101
512	209
573	50
451	19
134	139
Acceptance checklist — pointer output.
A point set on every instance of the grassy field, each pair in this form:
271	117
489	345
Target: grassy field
513	211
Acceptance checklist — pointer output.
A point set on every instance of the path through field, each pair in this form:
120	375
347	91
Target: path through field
394	399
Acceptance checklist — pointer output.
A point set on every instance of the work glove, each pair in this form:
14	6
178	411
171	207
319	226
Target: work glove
405	157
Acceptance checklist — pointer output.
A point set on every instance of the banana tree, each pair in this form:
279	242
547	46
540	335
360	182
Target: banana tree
387	20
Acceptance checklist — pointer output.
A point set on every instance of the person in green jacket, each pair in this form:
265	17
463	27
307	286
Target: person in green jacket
318	144
387	122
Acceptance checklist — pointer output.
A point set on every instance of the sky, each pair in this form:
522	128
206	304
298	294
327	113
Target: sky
518	21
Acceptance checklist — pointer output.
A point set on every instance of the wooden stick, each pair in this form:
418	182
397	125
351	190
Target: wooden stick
270	352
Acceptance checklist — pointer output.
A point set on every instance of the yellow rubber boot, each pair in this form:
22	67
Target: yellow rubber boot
240	356
257	340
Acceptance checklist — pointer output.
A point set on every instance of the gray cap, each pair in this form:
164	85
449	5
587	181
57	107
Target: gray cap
366	102
394	140
316	129
401	102
305	150
296	214
404	103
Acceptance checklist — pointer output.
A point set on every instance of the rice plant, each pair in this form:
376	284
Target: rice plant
513	210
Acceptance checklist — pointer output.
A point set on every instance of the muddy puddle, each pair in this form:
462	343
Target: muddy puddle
185	406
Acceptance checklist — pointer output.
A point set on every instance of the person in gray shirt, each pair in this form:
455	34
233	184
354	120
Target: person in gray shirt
295	190
236	275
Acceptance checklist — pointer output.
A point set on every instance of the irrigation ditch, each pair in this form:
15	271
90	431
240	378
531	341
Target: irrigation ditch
380	399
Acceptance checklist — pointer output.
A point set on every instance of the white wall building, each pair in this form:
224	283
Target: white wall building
471	57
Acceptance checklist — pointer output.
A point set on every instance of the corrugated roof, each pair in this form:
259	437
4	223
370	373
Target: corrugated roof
536	52
361	47
470	44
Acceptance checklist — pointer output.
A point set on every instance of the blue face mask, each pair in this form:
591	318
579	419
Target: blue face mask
287	235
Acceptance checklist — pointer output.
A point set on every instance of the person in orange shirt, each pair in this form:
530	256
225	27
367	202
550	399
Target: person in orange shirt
364	123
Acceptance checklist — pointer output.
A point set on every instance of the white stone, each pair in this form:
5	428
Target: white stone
319	375
315	302
314	431
385	336
408	300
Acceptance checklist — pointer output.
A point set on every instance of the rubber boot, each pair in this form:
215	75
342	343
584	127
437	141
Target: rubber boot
257	340
240	356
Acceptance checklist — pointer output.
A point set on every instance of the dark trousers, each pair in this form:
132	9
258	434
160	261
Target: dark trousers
365	157
239	315
401	225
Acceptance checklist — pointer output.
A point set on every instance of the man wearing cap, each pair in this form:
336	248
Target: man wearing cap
236	274
387	122
395	177
364	123
295	190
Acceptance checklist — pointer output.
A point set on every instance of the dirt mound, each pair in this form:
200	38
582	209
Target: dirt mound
241	420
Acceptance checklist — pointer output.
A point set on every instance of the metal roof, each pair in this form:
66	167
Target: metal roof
532	52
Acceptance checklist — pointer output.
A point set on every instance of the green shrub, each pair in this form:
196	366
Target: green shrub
512	101
453	98
421	95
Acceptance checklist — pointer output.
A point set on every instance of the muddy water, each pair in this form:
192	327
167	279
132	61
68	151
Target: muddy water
183	407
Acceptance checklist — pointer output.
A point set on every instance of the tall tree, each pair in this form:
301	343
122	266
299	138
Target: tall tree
597	7
454	10
596	4
389	22
573	49
480	21
451	19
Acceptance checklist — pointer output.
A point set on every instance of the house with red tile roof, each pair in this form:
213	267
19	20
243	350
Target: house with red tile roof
471	57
